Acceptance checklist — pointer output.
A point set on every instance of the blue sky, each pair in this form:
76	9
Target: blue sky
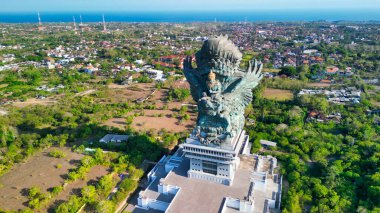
181	5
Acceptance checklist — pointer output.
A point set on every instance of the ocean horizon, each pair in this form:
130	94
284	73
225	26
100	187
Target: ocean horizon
194	16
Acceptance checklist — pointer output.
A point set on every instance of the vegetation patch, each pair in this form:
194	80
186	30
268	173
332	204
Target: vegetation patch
57	154
278	94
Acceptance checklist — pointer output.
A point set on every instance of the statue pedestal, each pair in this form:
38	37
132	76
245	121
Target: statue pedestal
216	163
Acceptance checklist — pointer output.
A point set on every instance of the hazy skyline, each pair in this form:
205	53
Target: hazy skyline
181	5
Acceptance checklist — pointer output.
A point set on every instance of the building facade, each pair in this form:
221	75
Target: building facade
214	163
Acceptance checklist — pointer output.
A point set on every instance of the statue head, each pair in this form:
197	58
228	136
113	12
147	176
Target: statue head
220	55
211	76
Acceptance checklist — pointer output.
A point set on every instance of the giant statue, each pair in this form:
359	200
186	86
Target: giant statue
221	89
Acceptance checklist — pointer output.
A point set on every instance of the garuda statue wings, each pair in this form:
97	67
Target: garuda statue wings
221	89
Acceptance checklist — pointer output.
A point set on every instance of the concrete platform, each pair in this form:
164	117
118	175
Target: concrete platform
204	196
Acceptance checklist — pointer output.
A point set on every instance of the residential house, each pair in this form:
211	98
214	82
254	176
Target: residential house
332	70
111	138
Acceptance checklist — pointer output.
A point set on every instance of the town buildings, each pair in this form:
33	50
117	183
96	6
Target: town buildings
342	96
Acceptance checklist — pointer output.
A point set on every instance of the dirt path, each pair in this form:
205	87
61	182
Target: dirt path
85	92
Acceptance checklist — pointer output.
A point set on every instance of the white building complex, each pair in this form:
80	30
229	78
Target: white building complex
201	178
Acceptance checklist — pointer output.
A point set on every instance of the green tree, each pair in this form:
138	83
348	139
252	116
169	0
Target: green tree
105	185
89	193
105	206
71	206
289	71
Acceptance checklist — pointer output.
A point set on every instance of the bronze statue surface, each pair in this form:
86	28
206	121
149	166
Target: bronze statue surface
221	89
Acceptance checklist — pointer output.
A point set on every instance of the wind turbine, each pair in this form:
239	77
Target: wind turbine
40	27
104	25
75	25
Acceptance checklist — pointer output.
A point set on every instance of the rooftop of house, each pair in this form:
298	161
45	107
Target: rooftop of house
113	138
267	143
332	69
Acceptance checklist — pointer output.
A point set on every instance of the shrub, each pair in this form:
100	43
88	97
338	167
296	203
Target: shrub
105	206
71	206
179	93
57	154
56	190
34	192
186	117
128	185
80	149
89	193
73	175
37	198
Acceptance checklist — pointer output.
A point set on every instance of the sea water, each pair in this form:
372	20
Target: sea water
193	16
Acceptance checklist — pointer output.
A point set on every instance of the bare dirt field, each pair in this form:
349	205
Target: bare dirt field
35	101
154	112
39	170
318	84
117	86
376	103
133	87
278	94
159	99
159	95
116	122
121	93
149	121
173	105
182	84
92	177
170	124
3	112
158	118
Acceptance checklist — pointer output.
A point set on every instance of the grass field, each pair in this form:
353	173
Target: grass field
271	70
278	94
318	85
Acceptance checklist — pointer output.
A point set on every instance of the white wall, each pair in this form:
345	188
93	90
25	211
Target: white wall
240	205
158	205
233	203
224	170
167	189
196	165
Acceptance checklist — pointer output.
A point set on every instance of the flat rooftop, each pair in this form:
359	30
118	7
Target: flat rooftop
200	195
197	195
